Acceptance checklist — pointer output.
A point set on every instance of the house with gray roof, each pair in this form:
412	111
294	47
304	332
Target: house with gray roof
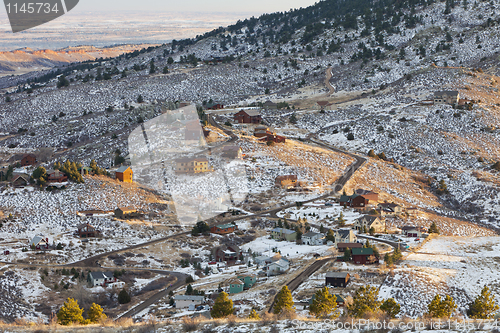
188	301
100	278
312	238
370	221
345	236
284	234
446	97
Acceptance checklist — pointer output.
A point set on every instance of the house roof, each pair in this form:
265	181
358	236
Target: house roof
283	231
224	226
263	258
234	281
101	275
122	168
446	92
252	113
281	263
36	240
344	232
127	209
349	245
363	251
189	298
388	205
340	275
369	218
24	177
311	234
191	159
83	225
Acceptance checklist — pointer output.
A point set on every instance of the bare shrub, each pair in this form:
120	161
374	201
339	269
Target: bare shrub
189	324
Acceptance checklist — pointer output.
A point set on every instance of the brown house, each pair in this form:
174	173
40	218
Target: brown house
367	194
192	165
125	211
363	256
248	117
85	230
232	152
56	176
261	131
355	200
20	180
337	279
343	246
193	130
273	138
28	159
228	253
223	229
125	174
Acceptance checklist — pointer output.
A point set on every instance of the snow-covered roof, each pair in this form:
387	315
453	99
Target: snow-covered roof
311	234
189	298
283	231
101	275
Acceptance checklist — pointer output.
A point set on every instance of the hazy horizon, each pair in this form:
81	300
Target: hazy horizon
125	22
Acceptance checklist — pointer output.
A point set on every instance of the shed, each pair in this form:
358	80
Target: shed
125	174
337	279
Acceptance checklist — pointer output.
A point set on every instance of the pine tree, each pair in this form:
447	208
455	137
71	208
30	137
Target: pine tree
123	297
284	301
433	229
364	301
438	308
95	313
223	306
347	255
341	219
140	99
390	307
189	290
324	304
70	313
388	259
253	315
484	306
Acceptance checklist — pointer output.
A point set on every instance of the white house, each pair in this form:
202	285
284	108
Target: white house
312	238
188	301
262	260
101	278
278	267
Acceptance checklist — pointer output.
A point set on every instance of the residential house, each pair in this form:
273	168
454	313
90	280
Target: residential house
20	180
193	130
28	159
85	230
337	279
261	131
286	181
413	211
278	267
413	231
39	243
345	236
390	208
312	238
223	229
446	97
56	176
122	212
273	138
284	234
248	280
86	171
214	106
363	256
192	165
235	285
354	200
232	152
368	222
341	247
262	260
188	301
124	174
227	253
248	117
100	278
368	194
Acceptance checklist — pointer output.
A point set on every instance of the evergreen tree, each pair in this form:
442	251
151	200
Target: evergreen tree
364	301
40	175
70	313
95	313
347	255
433	229
390	307
189	290
254	315
324	304
123	297
439	308
330	235
140	99
388	259
341	219
223	306
484	306
284	301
